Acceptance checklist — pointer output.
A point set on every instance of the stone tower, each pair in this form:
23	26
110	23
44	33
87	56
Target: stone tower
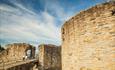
88	39
49	57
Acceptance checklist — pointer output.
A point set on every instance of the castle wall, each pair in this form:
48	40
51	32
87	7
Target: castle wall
27	66
88	39
50	57
16	52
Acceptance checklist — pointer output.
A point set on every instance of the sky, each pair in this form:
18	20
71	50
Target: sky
37	21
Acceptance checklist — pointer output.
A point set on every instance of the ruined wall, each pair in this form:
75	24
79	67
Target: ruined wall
27	66
50	57
89	39
16	51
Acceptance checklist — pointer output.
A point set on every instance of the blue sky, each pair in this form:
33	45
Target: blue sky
37	21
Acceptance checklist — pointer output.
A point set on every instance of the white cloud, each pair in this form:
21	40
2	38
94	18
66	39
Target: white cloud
25	25
57	9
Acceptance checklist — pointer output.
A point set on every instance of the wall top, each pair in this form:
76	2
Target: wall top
93	11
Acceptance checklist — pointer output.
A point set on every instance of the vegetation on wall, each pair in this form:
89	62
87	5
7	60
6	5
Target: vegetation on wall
1	48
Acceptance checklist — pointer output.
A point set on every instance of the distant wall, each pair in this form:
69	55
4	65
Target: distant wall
16	51
89	39
50	57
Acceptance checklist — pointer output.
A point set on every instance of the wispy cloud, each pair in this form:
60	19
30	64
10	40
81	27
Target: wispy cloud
22	24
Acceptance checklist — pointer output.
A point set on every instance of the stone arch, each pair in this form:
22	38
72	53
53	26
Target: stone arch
30	52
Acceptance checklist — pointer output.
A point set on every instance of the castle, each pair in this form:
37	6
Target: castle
88	43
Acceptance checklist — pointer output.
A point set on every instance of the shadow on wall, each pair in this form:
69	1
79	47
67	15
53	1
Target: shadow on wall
27	66
53	68
50	68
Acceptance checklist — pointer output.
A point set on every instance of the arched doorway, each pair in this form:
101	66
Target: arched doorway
28	53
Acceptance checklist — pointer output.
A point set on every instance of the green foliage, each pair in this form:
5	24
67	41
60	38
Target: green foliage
1	48
110	0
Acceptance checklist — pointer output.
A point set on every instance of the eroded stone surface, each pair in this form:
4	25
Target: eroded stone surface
49	57
17	51
89	39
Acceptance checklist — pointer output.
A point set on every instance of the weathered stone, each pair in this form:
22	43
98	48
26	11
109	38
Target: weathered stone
27	66
16	52
89	39
50	57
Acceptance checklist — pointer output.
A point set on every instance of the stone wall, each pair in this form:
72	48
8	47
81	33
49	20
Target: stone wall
89	39
50	57
16	51
27	66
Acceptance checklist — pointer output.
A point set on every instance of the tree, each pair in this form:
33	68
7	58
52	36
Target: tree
109	0
1	48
